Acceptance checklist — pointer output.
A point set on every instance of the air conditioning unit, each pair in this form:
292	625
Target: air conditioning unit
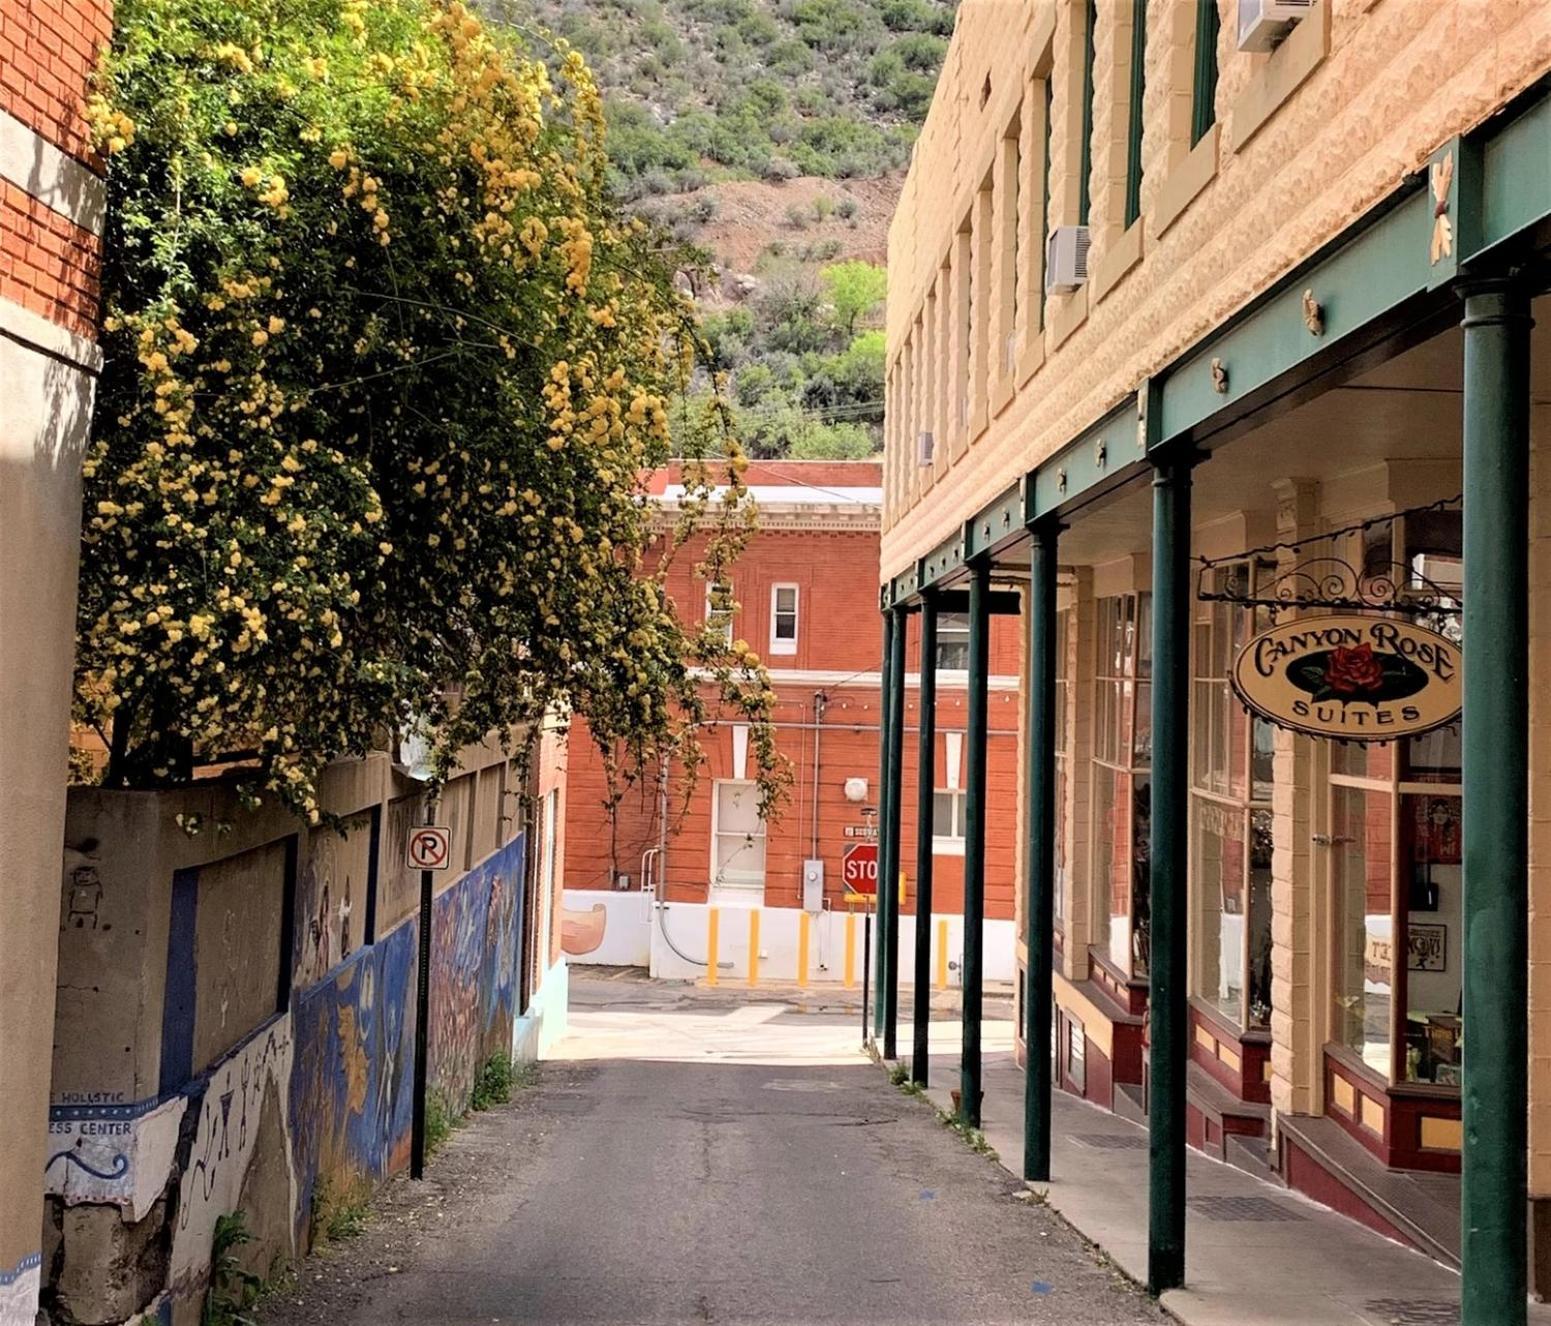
1066	260
925	448
1264	23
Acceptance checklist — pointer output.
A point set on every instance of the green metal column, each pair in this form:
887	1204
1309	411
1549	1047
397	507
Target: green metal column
975	837
1496	803
1169	1018
884	673
926	782
1042	739
888	884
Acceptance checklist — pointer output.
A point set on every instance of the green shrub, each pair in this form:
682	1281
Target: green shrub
494	1084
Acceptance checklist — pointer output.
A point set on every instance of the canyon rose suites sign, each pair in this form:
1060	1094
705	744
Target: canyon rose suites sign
1351	678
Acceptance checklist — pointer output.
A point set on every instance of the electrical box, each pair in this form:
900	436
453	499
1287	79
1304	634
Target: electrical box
813	886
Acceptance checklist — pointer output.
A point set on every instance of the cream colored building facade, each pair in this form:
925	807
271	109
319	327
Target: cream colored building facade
1282	245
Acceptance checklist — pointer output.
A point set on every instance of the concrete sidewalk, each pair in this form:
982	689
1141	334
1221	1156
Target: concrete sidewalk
1256	1254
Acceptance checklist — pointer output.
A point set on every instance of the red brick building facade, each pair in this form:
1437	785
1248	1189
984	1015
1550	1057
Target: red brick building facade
806	602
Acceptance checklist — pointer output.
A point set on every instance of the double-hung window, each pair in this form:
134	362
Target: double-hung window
719	608
948	822
952	641
783	619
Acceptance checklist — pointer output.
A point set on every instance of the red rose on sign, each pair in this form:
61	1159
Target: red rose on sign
1353	671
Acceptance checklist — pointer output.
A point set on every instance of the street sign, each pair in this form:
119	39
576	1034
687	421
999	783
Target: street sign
869	831
430	847
859	868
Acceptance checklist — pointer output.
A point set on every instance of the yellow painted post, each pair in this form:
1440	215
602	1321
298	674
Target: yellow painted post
802	948
712	924
754	946
942	955
850	962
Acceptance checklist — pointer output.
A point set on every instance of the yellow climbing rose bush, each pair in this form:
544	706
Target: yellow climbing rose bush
385	367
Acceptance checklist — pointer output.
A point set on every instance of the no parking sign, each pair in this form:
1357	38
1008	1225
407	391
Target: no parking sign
430	847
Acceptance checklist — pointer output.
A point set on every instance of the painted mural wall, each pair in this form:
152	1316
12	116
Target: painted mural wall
314	1094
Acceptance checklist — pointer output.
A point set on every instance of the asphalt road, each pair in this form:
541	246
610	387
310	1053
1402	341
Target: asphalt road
705	1158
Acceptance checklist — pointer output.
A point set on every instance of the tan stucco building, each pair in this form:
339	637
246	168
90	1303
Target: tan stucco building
1196	328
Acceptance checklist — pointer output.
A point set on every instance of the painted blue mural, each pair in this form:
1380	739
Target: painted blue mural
353	1074
475	938
352	1083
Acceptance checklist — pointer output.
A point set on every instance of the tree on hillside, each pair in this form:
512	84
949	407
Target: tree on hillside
855	290
383	366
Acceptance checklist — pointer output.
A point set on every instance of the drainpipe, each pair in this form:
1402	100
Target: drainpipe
820	703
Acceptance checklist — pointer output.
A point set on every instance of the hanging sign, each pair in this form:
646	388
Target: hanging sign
1351	678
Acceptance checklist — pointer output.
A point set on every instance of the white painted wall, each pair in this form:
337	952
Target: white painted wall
687	925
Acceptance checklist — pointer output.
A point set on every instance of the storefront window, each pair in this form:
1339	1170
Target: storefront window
1063	714
1230	875
1121	790
1361	841
1395	851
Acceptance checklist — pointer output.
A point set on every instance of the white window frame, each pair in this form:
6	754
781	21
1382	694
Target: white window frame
778	645
956	633
744	886
710	588
949	844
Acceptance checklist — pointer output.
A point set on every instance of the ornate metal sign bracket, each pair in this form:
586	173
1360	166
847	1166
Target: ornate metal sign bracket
1319	577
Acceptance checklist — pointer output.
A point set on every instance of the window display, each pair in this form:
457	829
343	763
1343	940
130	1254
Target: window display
1122	752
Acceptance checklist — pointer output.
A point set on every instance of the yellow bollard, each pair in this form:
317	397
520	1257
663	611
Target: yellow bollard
850	962
942	955
754	947
803	921
712	924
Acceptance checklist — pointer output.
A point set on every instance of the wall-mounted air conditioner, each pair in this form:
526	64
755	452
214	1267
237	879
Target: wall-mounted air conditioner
925	448
1263	23
1066	260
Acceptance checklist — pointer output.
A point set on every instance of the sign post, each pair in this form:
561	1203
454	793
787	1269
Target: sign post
429	850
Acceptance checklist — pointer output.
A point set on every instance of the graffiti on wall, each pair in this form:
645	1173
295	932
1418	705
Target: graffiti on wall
317	1094
19	1291
230	1141
351	1086
331	886
476	929
111	1150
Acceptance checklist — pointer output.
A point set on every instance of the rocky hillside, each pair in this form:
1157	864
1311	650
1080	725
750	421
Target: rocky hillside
773	135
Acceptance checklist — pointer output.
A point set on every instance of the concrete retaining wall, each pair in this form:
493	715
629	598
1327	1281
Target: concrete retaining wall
236	1030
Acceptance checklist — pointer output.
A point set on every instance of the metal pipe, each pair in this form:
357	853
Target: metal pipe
888	887
926	790
1041	782
820	700
1169	1013
417	1119
883	806
1495	809
975	840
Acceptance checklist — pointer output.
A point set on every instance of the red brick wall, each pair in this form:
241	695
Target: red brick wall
48	50
839	631
47	263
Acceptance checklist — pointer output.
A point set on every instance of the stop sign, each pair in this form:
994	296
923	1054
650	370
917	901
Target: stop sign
859	868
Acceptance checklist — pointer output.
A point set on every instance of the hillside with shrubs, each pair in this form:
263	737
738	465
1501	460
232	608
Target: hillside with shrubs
772	135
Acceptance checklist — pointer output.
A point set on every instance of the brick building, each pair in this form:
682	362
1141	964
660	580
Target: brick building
805	600
51	211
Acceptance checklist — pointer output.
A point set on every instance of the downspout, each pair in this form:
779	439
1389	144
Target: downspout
820	702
